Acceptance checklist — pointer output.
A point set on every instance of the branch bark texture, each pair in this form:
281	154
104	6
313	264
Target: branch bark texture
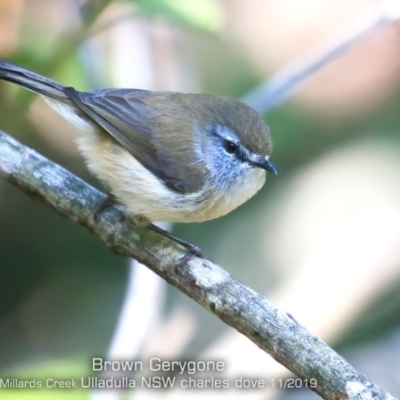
273	330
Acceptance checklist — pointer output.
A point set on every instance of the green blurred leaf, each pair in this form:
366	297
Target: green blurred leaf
205	15
58	370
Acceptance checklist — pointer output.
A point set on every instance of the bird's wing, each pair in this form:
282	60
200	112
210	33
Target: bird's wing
123	113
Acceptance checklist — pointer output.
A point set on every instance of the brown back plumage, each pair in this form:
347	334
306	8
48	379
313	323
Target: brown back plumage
150	126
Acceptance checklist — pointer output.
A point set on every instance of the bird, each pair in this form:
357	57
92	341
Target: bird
166	156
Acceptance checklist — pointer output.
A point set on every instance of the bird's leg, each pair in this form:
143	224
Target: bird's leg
109	201
140	220
192	249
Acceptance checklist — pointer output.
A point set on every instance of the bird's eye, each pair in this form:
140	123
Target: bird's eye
230	147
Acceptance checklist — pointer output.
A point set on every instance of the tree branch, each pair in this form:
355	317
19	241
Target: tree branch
272	330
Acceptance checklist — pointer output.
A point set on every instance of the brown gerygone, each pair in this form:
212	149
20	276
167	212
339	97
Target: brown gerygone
166	156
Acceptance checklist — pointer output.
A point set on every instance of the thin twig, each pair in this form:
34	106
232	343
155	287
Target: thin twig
283	84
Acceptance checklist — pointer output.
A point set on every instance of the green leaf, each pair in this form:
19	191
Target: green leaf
59	371
205	15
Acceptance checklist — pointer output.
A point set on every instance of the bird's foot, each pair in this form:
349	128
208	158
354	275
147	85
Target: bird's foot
193	251
109	201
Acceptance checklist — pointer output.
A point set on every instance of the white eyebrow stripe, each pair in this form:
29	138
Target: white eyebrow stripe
226	133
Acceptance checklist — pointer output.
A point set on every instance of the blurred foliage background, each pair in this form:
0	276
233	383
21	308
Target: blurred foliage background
321	240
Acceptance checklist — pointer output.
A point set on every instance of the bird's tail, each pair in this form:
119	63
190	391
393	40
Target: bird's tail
34	82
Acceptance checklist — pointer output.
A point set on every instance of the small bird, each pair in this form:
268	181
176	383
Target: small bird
166	156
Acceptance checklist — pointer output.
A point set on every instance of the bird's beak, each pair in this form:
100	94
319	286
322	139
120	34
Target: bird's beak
264	164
